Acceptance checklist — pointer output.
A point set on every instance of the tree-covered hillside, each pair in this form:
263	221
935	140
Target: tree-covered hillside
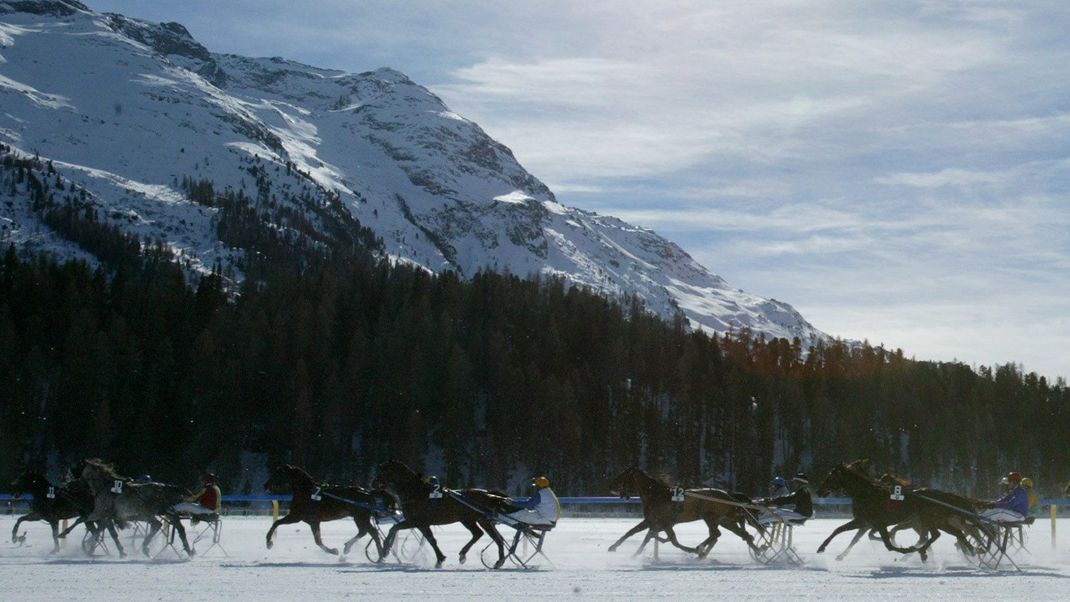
340	365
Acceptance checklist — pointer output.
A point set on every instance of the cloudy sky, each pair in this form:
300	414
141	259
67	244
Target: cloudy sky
899	172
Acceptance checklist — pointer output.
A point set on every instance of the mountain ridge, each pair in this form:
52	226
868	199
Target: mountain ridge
126	110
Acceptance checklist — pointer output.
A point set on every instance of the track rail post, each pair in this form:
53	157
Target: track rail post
1054	513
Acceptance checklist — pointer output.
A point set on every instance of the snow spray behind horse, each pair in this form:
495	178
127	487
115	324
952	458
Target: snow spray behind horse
119	499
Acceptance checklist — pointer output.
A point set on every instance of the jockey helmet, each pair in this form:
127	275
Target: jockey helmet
542	482
209	478
144	479
779	482
1014	477
801	477
1027	483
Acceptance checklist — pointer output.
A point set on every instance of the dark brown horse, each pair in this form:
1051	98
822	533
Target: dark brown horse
54	503
660	513
876	507
315	502
473	508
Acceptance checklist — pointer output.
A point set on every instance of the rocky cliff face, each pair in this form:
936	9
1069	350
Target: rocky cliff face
126	110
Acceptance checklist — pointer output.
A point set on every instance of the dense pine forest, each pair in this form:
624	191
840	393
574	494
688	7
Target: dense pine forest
339	361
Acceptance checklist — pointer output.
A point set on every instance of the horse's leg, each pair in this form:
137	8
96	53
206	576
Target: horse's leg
889	544
642	525
154	527
960	535
32	516
430	537
854	540
497	537
934	534
289	519
706	546
319	542
389	542
55	535
672	538
476	532
362	522
650	534
740	531
110	525
852	524
176	523
65	532
501	545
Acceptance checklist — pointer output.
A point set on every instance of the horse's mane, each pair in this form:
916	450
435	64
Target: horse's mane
105	469
295	469
402	466
862	466
893	479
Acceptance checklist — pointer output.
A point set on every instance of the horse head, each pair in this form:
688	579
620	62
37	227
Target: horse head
287	478
28	482
100	475
833	482
393	474
632	481
853	476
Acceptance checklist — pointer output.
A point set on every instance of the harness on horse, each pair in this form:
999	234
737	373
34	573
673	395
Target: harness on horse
318	494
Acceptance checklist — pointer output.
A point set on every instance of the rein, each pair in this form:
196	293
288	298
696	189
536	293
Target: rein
762	509
503	518
377	509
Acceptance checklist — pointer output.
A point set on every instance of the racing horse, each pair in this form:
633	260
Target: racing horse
473	508
716	507
962	517
962	509
315	502
876	507
53	504
118	499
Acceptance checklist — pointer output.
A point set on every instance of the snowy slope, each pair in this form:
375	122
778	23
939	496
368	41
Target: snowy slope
127	109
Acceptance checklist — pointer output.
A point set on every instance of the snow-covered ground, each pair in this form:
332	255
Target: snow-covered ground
582	568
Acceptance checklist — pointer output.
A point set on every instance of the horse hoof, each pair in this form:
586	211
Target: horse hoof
269	544
438	564
612	549
499	564
332	551
461	559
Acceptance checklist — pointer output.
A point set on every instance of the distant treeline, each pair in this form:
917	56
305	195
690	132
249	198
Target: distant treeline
343	361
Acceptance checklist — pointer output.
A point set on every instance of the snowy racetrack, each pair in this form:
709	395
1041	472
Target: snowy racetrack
296	569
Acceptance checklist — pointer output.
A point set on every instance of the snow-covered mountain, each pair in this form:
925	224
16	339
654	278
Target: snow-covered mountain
125	111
